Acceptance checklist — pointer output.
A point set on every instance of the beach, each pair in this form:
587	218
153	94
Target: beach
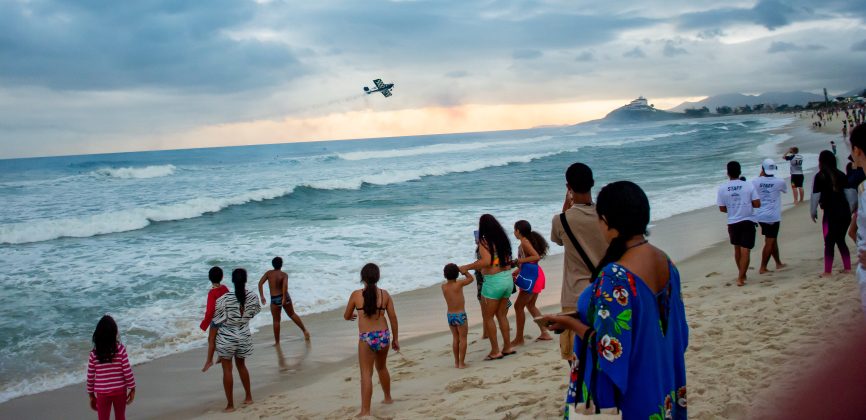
742	342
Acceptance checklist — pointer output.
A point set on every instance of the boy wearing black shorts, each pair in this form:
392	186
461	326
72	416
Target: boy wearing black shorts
795	159
769	215
739	199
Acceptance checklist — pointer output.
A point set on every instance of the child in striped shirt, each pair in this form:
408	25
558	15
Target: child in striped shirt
109	375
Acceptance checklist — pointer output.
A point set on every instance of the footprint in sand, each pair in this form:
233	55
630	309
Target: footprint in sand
710	274
465	383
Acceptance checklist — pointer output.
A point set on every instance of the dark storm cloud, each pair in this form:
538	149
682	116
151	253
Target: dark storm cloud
635	52
771	14
112	45
671	50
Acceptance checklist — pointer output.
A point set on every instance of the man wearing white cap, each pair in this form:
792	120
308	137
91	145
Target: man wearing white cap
769	215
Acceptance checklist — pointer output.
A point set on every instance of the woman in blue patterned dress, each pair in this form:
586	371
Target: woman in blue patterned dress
631	322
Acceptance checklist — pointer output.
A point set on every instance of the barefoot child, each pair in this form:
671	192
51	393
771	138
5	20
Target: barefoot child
452	289
375	311
529	277
110	381
216	291
278	283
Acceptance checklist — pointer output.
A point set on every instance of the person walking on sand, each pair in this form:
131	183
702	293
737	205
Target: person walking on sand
795	160
529	278
452	290
739	199
576	229
830	192
110	381
631	322
769	215
375	310
278	283
495	263
234	311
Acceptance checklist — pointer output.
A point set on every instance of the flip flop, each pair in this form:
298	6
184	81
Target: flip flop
509	354
488	358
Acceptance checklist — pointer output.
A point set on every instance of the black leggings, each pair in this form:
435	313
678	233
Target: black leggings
834	236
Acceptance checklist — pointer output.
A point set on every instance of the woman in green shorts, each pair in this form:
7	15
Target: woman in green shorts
495	264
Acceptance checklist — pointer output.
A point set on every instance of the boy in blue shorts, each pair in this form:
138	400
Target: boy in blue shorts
452	289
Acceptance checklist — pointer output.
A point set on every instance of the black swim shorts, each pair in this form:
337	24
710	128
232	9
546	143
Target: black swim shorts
770	230
742	234
797	181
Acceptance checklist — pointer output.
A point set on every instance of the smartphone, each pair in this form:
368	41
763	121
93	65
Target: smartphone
476	236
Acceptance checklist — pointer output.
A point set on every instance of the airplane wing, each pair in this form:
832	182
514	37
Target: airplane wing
379	84
386	92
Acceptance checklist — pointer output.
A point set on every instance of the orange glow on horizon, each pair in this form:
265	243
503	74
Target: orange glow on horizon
367	123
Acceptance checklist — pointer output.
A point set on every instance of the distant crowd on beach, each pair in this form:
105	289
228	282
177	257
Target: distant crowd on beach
622	326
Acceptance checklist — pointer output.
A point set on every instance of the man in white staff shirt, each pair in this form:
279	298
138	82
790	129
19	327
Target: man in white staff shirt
769	215
739	199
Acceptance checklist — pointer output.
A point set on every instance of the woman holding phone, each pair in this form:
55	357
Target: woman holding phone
494	262
630	324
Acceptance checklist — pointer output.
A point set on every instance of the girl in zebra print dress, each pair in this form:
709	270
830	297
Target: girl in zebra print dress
234	340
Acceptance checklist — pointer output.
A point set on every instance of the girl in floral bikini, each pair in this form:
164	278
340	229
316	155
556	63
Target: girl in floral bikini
372	304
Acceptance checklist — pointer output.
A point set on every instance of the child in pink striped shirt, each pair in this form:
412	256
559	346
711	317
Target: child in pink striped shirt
109	375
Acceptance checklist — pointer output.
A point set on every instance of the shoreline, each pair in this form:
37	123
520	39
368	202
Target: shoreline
684	236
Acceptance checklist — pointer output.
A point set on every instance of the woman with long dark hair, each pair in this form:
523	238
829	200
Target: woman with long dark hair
631	321
234	311
495	263
110	381
529	278
375	310
829	192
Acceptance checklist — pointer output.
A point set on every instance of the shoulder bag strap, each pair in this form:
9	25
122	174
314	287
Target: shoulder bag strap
576	244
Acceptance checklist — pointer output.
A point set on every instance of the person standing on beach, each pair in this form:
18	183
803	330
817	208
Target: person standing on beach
739	199
278	283
375	310
529	278
830	191
631	321
833	147
769	215
215	275
452	291
576	229
795	159
110	381
234	311
858	225
495	263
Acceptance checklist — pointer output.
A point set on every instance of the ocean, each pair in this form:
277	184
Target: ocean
134	234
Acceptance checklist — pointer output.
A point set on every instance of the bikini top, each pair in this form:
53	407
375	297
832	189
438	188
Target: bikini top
381	298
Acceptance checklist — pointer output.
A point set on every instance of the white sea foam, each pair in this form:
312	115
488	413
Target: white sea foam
144	172
126	220
139	218
436	149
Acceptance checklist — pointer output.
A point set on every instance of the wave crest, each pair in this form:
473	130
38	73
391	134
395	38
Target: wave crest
139	218
435	149
145	172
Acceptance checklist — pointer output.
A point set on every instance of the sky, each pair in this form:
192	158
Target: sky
90	76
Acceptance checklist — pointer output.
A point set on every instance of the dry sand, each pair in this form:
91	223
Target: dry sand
743	340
